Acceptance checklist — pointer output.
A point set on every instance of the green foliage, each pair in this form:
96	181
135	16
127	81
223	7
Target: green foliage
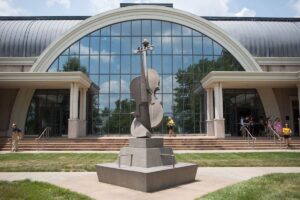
74	65
187	103
268	187
119	118
33	190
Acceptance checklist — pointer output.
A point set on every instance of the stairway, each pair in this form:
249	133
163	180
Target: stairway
115	143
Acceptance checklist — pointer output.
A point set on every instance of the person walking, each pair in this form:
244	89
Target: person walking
170	126
15	137
287	131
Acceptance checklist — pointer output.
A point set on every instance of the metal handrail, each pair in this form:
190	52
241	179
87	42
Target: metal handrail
45	134
122	155
275	134
173	158
249	135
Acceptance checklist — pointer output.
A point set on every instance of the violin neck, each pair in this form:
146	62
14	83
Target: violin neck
144	69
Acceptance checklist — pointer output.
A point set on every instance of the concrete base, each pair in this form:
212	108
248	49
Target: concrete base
210	128
146	152
76	128
146	179
219	128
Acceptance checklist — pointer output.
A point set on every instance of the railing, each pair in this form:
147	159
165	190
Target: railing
170	155
44	135
276	136
246	133
122	155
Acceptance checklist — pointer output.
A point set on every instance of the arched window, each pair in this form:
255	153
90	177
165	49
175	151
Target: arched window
181	56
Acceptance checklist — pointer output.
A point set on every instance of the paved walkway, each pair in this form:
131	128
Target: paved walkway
175	151
208	179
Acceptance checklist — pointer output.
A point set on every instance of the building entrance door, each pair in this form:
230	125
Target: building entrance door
244	103
54	118
49	108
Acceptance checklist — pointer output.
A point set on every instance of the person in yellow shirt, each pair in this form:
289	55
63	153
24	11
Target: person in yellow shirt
287	134
170	126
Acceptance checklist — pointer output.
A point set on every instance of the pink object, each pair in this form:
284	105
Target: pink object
278	127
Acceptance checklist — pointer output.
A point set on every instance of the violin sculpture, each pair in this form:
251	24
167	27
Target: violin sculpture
149	112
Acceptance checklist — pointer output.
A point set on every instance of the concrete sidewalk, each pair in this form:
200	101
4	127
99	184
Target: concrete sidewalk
175	151
208	179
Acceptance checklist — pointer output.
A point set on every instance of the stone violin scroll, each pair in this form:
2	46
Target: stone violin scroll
149	112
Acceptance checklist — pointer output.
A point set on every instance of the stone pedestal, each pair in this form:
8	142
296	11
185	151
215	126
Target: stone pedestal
146	165
210	128
77	128
219	128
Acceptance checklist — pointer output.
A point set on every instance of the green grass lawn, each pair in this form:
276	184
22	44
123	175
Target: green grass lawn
268	187
56	162
36	191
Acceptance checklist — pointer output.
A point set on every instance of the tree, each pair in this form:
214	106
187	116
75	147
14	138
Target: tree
187	104
74	65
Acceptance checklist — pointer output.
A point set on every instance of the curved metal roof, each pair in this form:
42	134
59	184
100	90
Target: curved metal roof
262	37
28	38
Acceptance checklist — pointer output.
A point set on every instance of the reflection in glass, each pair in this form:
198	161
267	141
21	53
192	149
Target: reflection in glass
126	45
146	28
197	45
125	64
137	27
176	30
187	47
181	56
85	45
116	30
95	45
177	45
115	45
136	64
156	42
167	45
167	83
207	46
126	28
105	45
104	64
166	28
156	63
186	31
167	64
114	86
115	65
105	31
156	27
94	65
177	63
74	49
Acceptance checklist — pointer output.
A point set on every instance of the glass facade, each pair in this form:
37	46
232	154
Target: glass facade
181	56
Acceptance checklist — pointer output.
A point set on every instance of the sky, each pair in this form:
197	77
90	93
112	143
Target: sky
247	8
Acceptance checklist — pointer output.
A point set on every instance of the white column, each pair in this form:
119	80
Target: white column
217	100
210	114
71	100
75	101
221	101
82	112
209	104
219	125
